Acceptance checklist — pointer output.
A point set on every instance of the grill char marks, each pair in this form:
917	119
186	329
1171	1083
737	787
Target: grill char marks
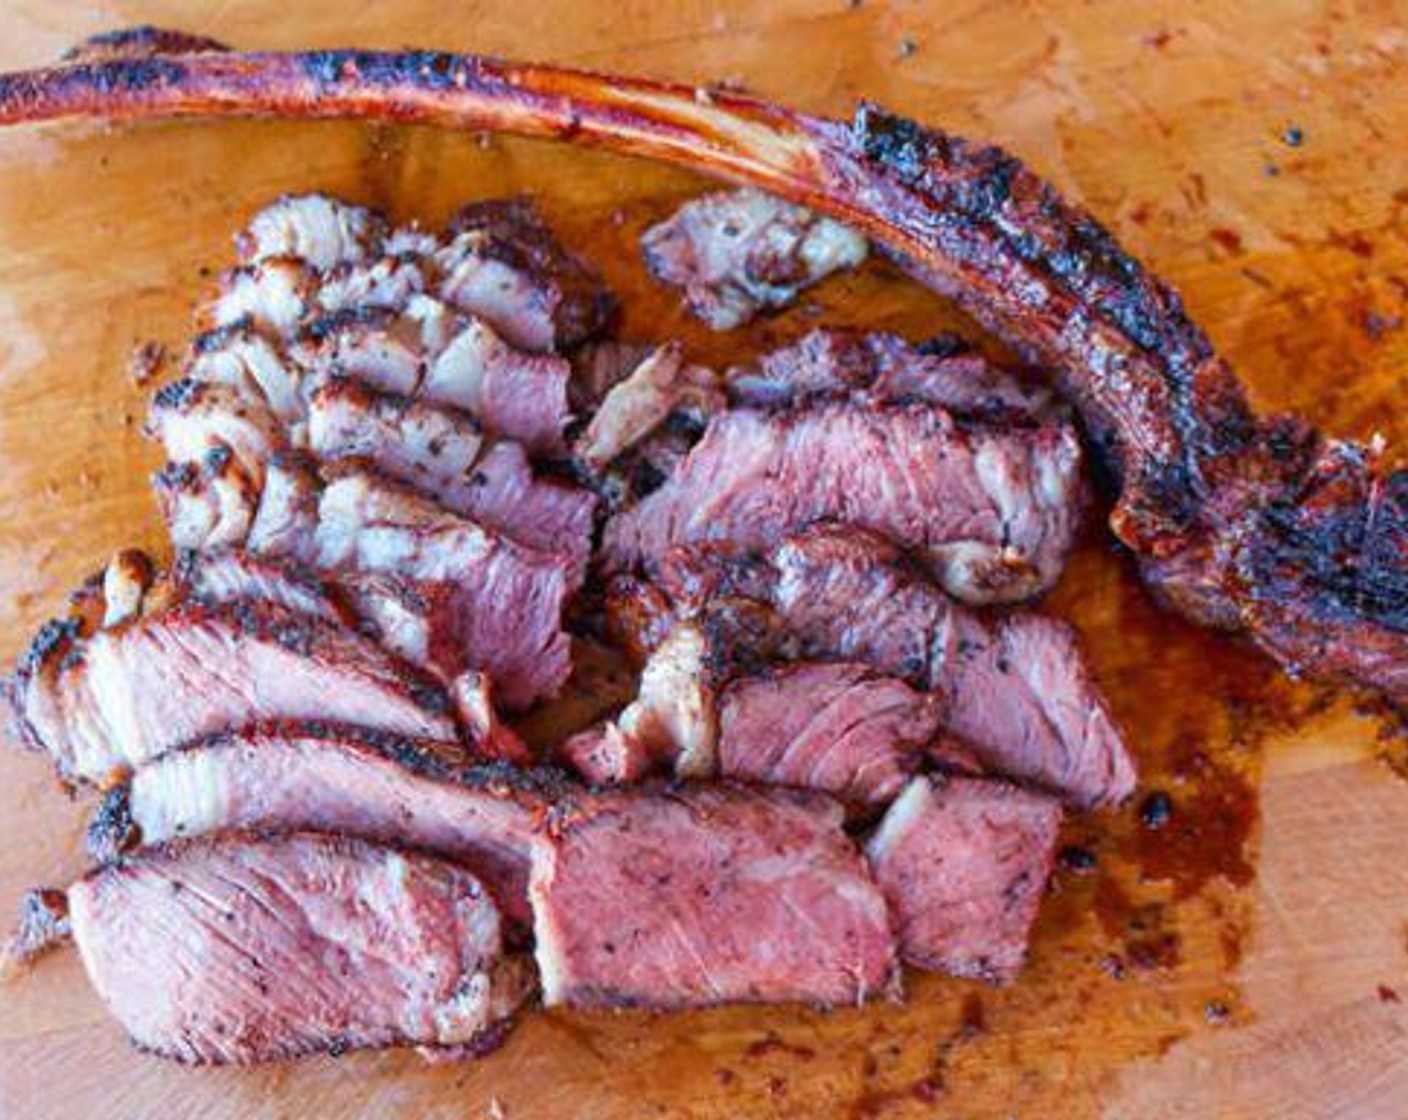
239	949
1199	475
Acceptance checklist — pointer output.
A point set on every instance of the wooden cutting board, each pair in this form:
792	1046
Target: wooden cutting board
1245	960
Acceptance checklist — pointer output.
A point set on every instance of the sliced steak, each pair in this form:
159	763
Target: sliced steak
672	722
242	949
242	359
503	264
285	519
515	393
833	362
491	604
703	896
992	511
1015	686
963	863
315	228
634	407
321	777
442	453
132	693
233	575
738	252
272	296
841	728
390	282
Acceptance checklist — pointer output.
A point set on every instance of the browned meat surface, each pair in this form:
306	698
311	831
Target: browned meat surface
963	863
505	265
638	404
840	728
132	693
240	949
736	253
704	896
1231	516
442	453
992	511
42	924
322	231
232	575
325	778
488	603
1014	686
671	724
833	362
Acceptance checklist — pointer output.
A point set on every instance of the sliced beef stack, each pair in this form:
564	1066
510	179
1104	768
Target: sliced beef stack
389	457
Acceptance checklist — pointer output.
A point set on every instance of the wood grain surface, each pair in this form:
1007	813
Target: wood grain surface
1248	960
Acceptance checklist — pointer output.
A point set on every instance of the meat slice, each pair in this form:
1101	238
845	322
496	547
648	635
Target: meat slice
212	503
443	453
132	693
286	517
312	227
504	265
515	393
241	949
193	419
706	895
632	408
246	361
390	282
382	348
963	863
840	728
1016	687
738	252
992	511
421	348
489	604
233	575
672	722
321	777
272	296
837	362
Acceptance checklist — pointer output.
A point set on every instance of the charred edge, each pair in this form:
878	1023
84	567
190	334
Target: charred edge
178	395
325	326
112	830
1343	553
55	636
175	476
140	42
427	70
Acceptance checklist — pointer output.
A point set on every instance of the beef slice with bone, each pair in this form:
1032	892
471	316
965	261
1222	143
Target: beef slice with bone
992	511
129	694
706	895
963	863
736	253
323	777
241	948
